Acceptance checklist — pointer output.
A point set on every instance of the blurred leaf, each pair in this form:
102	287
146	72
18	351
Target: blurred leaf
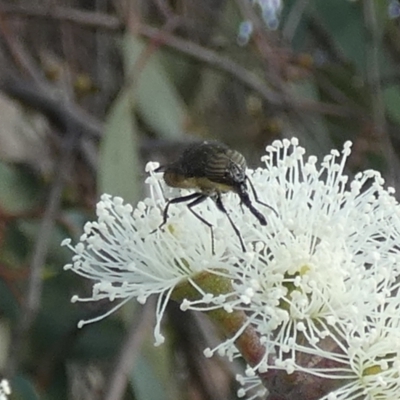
146	383
53	327
205	97
344	80
9	306
180	70
23	135
118	173
5	336
57	255
316	137
391	97
18	189
100	340
152	376
158	101
59	387
342	84
344	21
15	247
22	389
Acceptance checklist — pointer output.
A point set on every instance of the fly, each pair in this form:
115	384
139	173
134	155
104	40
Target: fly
211	169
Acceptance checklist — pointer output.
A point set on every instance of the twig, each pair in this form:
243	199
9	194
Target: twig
129	352
212	59
266	48
94	20
40	249
61	113
37	93
293	19
165	9
247	78
17	51
191	343
326	40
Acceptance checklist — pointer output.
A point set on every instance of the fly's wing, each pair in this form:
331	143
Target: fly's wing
190	163
212	160
195	160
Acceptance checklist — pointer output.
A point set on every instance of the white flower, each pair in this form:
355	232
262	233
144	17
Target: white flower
128	257
317	282
252	387
323	271
5	389
270	13
363	358
372	353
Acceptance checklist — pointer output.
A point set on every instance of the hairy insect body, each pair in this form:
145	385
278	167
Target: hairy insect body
211	169
204	185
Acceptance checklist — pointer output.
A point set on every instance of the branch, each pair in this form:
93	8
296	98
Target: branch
129	352
250	80
61	113
39	254
92	20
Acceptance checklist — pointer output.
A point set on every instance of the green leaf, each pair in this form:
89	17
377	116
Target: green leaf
391	97
100	341
5	338
9	306
344	21
56	256
316	135
51	326
118	172
342	84
158	101
18	189
145	381
22	389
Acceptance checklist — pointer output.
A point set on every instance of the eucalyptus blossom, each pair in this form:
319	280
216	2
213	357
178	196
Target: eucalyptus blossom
5	389
318	284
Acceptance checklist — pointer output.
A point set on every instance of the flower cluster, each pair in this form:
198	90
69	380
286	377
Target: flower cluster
394	9
5	390
270	11
319	283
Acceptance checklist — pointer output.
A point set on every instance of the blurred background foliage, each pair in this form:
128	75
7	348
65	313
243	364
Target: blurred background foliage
92	90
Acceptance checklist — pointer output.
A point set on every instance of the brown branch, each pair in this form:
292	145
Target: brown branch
247	78
324	38
20	57
61	113
293	19
40	249
250	80
129	352
92	20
